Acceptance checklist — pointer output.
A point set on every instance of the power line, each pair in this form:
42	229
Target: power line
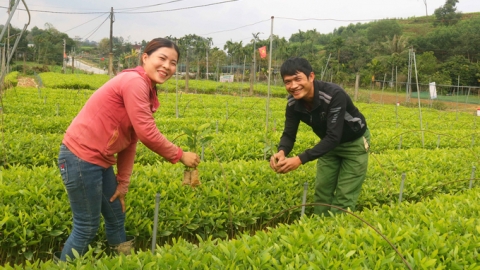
233	29
176	9
57	12
318	19
87	22
96	28
133	8
126	12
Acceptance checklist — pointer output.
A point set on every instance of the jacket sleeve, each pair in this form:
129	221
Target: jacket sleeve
125	161
136	97
289	134
335	118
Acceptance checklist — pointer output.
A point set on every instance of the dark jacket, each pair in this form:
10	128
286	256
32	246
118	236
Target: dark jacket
333	117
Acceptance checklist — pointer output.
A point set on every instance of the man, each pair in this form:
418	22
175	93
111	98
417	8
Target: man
342	152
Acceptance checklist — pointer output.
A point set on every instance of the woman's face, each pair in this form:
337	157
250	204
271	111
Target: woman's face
161	64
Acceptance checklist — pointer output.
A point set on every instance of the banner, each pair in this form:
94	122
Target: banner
263	51
433	90
226	78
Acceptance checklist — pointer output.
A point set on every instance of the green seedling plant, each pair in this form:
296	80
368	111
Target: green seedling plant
196	139
269	149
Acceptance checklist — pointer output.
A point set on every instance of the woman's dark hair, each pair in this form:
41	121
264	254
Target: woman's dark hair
295	65
158	43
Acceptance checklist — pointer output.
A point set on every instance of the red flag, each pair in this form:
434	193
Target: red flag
64	55
263	51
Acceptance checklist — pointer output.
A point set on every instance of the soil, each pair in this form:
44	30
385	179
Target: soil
26	82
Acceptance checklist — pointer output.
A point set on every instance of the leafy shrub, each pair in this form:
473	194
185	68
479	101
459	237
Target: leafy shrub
11	79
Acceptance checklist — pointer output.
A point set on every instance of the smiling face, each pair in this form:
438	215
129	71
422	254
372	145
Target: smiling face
160	65
300	86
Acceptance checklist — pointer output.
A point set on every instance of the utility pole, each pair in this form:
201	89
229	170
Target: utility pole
208	46
253	70
254	56
64	57
8	39
110	55
73	61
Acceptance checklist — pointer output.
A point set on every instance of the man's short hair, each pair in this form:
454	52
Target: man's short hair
295	65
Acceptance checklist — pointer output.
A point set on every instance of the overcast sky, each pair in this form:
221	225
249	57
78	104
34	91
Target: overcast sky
222	20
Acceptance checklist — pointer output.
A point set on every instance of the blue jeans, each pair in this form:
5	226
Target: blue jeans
89	189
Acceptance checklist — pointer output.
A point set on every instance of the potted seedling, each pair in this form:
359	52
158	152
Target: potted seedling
196	138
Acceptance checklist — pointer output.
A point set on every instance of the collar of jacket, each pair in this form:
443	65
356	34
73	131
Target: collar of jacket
153	91
299	104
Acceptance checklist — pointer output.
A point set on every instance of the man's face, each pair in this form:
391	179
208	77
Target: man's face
299	85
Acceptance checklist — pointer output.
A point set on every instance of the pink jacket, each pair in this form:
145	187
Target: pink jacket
115	117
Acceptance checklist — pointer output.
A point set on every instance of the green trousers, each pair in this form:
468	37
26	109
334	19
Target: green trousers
340	175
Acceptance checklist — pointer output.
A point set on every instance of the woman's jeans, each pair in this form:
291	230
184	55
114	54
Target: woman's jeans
89	189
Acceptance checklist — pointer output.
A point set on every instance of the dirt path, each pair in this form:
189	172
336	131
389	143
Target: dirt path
451	106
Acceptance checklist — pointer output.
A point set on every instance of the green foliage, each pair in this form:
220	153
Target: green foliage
384	28
49	43
240	195
441	233
441	78
73	81
447	14
426	65
459	67
11	80
198	137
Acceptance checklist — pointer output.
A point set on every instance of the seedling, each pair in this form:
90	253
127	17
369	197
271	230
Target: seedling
196	138
269	149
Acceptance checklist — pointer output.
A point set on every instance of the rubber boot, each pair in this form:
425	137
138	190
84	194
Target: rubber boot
125	247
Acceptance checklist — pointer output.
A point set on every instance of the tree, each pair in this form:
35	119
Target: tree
49	44
443	41
254	59
186	44
469	39
426	66
22	43
104	47
384	28
233	49
426	10
208	43
217	56
447	14
374	67
338	43
395	49
459	67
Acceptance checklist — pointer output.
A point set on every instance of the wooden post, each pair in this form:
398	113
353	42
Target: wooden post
357	84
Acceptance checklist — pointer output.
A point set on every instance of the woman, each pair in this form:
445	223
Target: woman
115	117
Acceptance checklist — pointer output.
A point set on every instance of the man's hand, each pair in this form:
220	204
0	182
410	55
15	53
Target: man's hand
275	158
288	164
121	197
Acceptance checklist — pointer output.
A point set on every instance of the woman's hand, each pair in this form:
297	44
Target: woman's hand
190	159
121	196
